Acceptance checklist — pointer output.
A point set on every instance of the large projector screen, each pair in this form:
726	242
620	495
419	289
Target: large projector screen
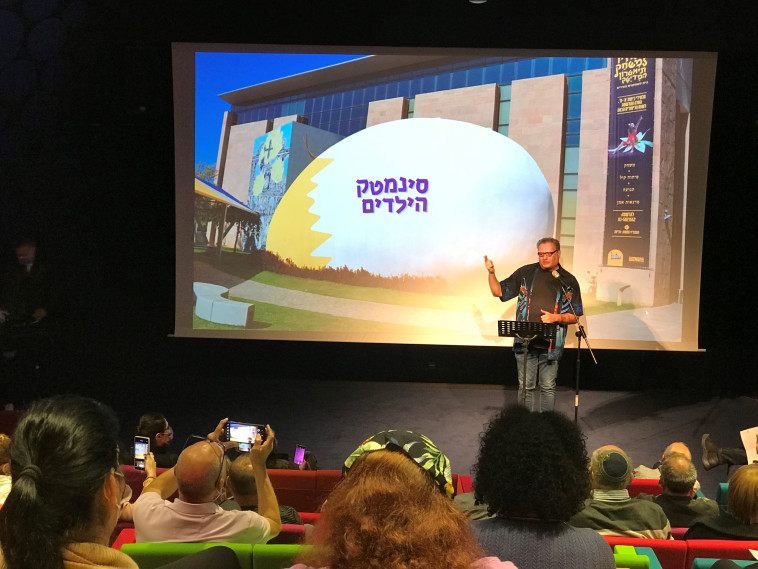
350	194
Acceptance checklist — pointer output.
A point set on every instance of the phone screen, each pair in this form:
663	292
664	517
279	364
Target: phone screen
299	455
141	450
243	434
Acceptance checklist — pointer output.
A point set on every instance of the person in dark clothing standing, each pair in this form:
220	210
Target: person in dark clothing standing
545	292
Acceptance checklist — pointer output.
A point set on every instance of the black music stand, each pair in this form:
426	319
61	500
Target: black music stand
526	332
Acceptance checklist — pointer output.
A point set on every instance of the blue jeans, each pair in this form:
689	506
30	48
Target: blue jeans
537	364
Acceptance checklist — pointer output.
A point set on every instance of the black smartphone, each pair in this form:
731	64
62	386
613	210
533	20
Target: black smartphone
141	450
299	454
244	434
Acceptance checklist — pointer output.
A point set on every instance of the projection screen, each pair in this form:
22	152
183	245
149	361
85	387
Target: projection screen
351	194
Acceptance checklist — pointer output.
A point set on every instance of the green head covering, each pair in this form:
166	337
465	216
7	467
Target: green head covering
418	448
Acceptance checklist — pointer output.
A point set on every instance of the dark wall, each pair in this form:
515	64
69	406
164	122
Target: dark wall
92	177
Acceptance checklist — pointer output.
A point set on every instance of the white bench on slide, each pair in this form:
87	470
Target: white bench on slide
212	304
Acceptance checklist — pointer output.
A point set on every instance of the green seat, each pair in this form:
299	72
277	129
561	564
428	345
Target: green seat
705	563
650	554
721	494
152	555
626	556
274	556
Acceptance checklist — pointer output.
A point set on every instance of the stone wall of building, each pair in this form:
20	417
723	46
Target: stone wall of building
476	105
538	123
387	110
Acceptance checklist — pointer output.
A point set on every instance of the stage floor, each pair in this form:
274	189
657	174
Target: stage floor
332	418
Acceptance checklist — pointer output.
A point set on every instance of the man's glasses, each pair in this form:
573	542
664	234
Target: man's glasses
547	253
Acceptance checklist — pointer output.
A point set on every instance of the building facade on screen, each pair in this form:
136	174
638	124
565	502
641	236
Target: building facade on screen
608	134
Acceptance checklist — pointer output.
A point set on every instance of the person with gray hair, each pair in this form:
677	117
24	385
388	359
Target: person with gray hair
678	500
611	511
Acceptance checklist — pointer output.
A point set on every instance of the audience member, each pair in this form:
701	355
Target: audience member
678	500
417	447
740	521
195	516
28	298
5	467
67	487
240	485
393	510
532	473
654	473
611	511
713	455
156	427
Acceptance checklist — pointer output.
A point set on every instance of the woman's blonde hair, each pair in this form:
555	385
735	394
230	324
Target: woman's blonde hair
743	494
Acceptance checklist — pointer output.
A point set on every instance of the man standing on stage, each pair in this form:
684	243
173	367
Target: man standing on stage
545	291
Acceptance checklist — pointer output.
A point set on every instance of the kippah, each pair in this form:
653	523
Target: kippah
614	466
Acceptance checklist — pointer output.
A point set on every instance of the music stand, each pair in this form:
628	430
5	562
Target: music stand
526	332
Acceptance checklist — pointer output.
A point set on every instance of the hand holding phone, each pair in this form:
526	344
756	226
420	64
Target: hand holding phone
244	434
299	455
141	450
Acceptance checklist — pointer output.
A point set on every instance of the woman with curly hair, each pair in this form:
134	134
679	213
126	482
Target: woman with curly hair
532	472
389	512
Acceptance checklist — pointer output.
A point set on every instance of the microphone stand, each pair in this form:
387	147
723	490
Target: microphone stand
579	335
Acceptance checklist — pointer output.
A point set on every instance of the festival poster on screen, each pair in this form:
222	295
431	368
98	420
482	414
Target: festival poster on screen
630	163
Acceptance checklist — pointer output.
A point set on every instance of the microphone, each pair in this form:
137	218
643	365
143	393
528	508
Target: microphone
557	275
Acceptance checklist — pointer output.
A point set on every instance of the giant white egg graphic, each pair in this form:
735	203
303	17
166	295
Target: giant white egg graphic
469	191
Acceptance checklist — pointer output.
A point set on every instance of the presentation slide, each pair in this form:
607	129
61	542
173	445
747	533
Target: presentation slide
351	195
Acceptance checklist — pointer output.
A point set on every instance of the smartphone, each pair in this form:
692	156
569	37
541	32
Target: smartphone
141	450
299	454
244	434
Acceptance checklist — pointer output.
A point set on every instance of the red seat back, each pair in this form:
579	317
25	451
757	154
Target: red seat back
646	485
672	554
719	549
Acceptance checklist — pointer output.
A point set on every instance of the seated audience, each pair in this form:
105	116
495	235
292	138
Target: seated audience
740	521
643	471
713	455
5	467
393	510
240	485
532	473
678	500
67	488
195	516
155	427
611	511
474	508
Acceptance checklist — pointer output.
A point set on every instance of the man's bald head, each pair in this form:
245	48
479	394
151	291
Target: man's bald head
610	468
199	472
678	475
677	447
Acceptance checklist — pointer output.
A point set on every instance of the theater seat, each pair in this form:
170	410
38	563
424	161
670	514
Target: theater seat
703	563
274	556
646	485
671	553
153	555
291	533
719	549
